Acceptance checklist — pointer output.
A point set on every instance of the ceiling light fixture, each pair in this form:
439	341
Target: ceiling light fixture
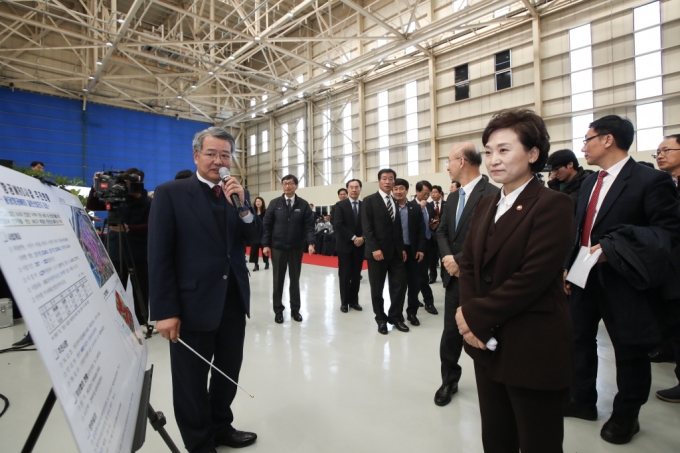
167	106
121	21
179	97
210	73
91	77
85	90
290	15
109	44
99	63
193	86
231	57
257	38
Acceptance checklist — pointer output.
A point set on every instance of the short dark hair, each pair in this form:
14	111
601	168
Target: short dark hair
530	130
473	156
357	180
456	183
36	162
289	177
401	182
675	136
646	164
216	132
342	189
387	170
135	171
620	128
562	157
420	184
183	174
439	188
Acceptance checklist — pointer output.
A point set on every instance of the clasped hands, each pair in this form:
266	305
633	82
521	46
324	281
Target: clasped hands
465	331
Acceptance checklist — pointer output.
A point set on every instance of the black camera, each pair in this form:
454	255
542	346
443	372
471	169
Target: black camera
115	185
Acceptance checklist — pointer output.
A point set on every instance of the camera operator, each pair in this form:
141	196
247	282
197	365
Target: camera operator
133	226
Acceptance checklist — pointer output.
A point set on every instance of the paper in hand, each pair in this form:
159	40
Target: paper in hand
578	274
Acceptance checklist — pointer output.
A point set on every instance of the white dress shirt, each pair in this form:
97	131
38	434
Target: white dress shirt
506	201
468	188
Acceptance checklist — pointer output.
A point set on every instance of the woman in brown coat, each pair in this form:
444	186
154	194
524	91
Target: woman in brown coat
514	313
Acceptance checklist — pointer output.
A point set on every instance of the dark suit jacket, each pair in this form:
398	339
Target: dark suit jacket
511	289
432	214
640	196
380	231
451	237
416	228
189	260
346	226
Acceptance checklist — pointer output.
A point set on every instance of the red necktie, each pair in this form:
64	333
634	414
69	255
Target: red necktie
436	208
216	189
590	213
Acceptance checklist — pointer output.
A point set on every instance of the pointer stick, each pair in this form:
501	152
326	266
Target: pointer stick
214	367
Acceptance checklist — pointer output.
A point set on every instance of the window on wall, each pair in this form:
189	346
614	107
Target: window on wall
347	141
581	64
579	127
383	130
252	143
253	101
326	145
503	71
299	80
459	5
648	82
265	142
264	99
501	11
300	147
284	149
408	29
462	82
411	95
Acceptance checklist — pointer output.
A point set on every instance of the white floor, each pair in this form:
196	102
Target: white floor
333	384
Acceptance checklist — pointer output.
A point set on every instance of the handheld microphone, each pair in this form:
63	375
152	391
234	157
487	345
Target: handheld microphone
224	174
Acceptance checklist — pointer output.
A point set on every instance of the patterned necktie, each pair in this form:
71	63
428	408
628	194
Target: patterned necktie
390	209
590	212
356	210
461	205
436	208
216	189
428	235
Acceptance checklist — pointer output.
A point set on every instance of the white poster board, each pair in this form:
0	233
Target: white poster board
76	309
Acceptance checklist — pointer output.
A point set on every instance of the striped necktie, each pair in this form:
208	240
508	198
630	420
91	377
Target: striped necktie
390	209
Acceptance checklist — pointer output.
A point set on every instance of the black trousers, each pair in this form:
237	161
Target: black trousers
255	254
205	414
633	370
434	258
142	273
282	260
515	418
412	268
424	279
349	269
451	343
393	269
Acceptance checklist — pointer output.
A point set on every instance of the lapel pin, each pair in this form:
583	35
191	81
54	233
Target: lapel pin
519	207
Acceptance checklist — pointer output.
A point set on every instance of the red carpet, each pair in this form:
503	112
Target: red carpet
317	260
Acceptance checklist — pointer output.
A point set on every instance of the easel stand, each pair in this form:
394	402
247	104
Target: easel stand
156	419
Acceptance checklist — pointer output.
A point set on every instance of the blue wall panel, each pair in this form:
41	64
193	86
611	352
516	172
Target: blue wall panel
73	142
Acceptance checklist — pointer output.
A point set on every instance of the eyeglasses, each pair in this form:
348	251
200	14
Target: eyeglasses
222	156
585	142
288	183
447	162
659	152
556	168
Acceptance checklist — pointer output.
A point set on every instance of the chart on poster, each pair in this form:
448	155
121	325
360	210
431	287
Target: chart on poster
78	312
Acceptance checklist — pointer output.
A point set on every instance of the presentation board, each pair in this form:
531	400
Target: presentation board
79	315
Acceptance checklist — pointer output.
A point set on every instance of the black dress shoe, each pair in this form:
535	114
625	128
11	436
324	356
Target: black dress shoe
413	320
344	308
356	307
420	304
444	394
256	268
296	317
400	326
278	319
237	439
24	342
431	310
580	410
382	328
266	266
672	395
619	430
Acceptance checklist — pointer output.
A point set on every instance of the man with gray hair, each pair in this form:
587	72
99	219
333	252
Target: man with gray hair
199	284
463	166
